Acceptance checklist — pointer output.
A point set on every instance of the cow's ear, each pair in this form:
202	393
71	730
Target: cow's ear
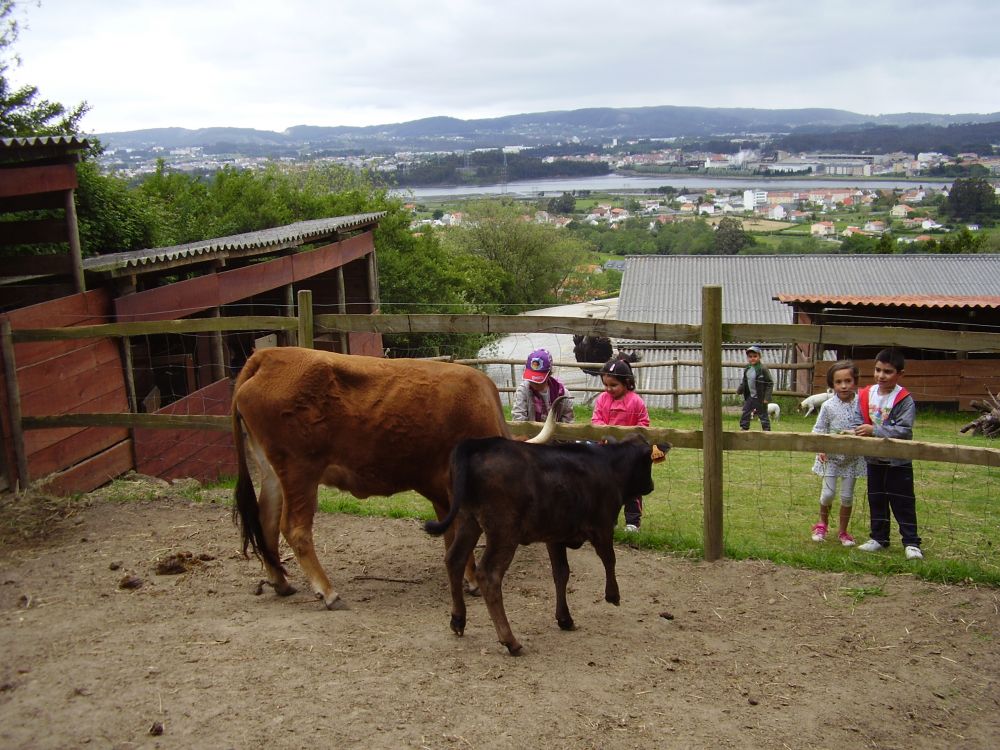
657	455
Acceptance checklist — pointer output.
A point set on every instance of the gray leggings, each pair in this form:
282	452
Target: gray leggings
830	489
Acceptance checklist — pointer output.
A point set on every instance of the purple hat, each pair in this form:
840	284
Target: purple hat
538	366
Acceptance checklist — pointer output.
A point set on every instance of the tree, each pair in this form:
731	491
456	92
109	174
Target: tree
971	199
22	111
563	204
529	262
730	238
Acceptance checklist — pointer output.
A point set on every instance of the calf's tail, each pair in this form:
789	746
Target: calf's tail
459	481
246	512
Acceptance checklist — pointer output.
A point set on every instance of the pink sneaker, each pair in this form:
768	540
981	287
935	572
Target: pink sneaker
846	539
819	532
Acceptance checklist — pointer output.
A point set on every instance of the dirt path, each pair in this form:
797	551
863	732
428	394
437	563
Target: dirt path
731	655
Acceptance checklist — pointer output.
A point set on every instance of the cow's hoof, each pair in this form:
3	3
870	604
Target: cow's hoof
616	600
334	604
514	648
471	590
285	590
457	625
567	624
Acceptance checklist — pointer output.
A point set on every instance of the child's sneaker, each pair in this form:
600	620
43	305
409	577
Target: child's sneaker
819	532
914	553
631	528
871	546
846	539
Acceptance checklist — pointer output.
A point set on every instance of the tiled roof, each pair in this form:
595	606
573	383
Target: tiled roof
667	288
265	240
912	300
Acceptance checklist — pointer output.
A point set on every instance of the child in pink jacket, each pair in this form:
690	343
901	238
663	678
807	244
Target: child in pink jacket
621	406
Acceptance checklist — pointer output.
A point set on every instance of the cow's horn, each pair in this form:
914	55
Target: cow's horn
549	427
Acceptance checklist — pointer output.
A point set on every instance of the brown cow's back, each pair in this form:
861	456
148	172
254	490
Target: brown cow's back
370	426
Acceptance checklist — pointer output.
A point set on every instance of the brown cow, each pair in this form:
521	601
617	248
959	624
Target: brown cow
365	425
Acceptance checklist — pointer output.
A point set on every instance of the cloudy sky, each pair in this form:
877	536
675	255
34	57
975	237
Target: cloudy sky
271	65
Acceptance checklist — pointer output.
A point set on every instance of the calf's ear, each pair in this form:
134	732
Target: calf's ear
658	454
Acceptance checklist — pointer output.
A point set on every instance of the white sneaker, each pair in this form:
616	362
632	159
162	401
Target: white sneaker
631	528
872	546
913	553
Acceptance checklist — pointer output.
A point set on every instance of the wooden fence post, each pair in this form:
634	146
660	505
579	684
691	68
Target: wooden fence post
345	337
14	401
677	385
711	409
305	328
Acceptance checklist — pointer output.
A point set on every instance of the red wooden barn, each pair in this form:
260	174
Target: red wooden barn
257	273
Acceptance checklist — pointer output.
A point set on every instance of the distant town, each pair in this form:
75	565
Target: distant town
632	157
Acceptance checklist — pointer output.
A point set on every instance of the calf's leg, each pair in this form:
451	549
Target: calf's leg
605	548
560	574
458	552
490	572
441	510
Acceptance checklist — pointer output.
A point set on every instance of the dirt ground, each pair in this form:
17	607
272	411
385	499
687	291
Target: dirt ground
136	625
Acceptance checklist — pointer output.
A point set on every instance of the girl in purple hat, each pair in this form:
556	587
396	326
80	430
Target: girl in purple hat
539	388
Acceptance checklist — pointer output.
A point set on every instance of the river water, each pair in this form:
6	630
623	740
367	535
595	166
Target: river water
615	183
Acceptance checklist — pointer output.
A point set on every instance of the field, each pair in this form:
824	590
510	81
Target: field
129	620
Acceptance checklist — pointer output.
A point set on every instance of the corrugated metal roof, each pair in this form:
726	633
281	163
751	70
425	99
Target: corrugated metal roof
291	234
903	300
43	140
667	288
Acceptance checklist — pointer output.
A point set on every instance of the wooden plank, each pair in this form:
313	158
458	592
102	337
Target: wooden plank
75	449
210	464
187	325
335	255
29	180
243	283
32	202
29	265
92	473
914	338
36	440
32	232
102	357
164	451
168	302
75	394
87	308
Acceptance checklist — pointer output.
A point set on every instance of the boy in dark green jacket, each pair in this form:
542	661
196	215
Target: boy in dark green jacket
756	389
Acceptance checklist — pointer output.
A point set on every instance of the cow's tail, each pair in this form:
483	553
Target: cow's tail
246	511
459	483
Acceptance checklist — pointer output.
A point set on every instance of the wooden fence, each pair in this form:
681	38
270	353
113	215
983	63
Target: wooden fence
711	334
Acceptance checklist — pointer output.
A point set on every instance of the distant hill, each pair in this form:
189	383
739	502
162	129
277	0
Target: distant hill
594	125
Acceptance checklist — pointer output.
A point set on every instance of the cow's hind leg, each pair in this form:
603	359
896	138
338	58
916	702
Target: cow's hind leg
560	574
269	504
461	548
490	572
297	527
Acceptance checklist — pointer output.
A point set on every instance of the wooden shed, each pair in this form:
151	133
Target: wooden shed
257	273
933	376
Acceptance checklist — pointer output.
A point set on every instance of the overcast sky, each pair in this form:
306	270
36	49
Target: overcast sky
271	65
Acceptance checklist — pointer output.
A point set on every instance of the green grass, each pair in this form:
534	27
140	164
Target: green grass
770	500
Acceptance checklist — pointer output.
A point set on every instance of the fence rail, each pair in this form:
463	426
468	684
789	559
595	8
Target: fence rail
712	333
